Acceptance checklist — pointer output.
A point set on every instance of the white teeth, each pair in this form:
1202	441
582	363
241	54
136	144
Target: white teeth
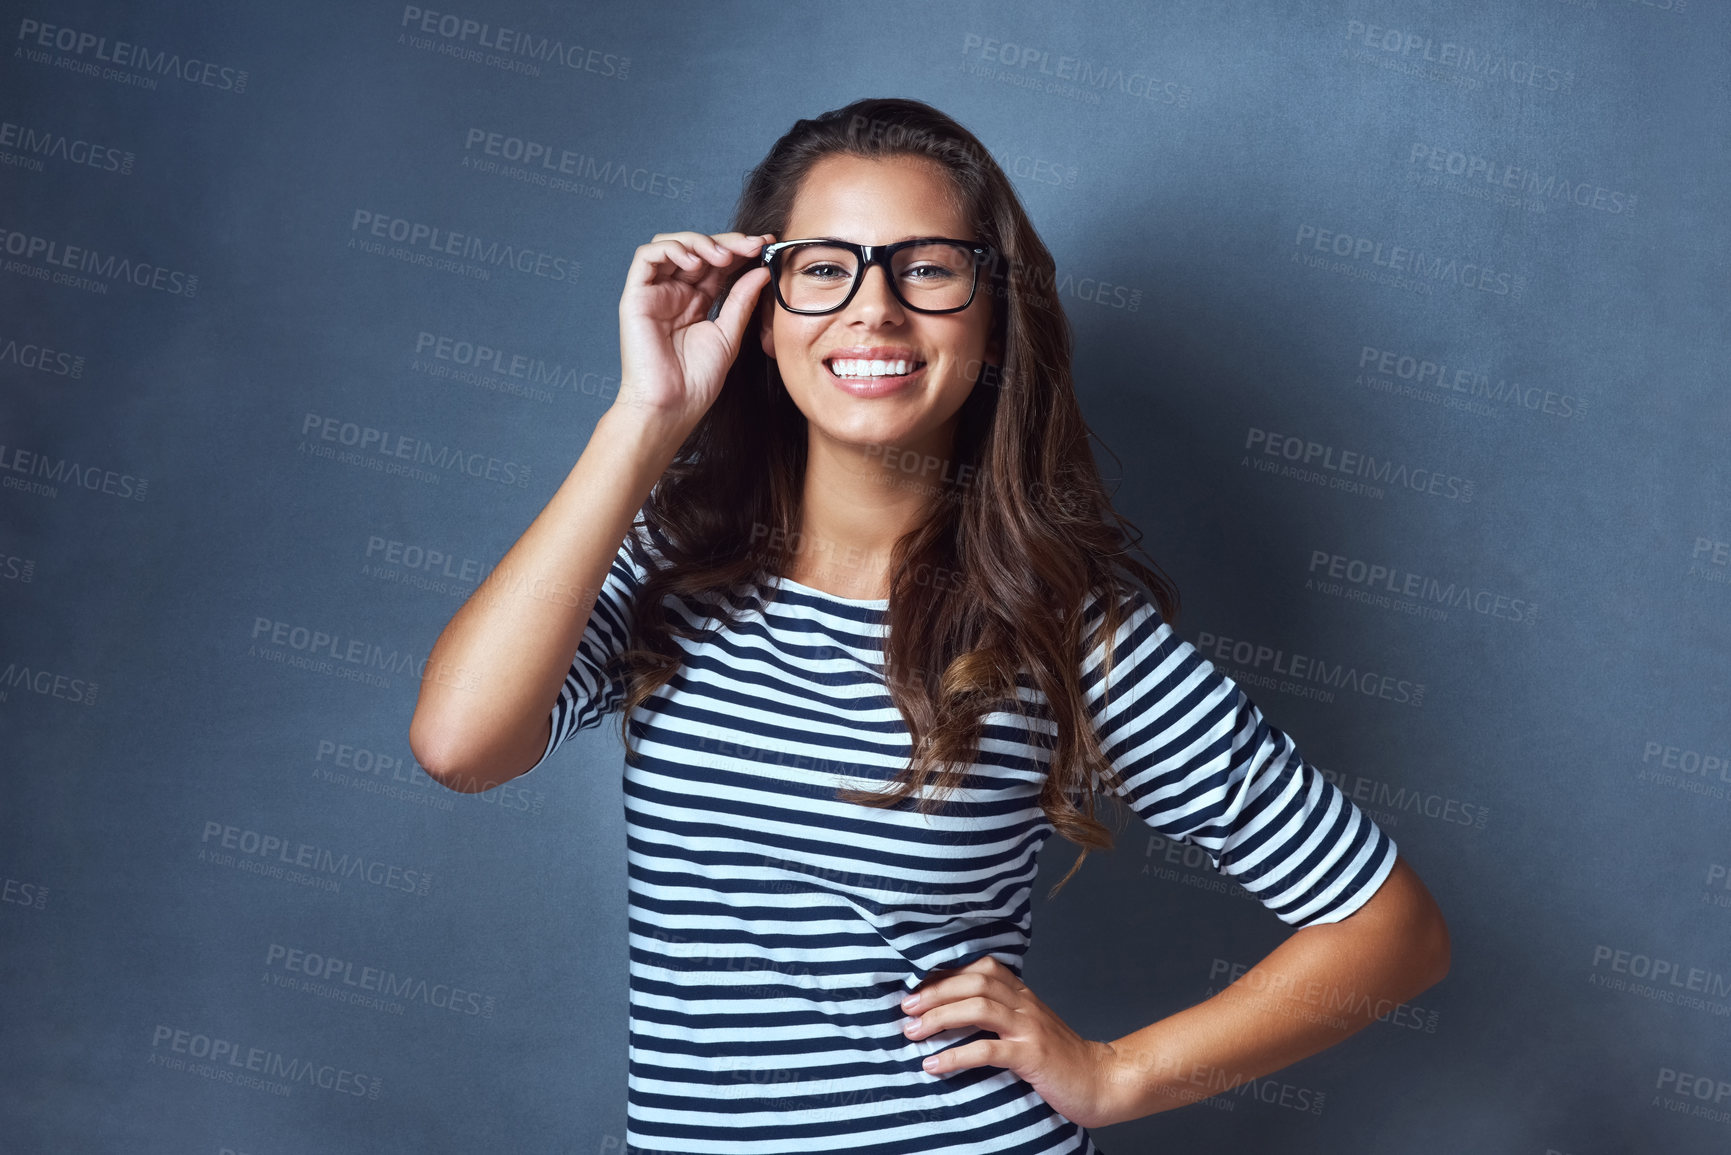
860	368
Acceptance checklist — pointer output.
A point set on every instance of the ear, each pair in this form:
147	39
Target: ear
766	327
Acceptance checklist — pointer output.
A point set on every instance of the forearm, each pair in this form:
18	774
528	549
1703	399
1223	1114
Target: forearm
496	668
1321	985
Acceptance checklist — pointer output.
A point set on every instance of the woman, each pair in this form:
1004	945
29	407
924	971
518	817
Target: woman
872	642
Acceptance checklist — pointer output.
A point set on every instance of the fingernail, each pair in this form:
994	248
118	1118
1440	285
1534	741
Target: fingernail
910	1002
930	1062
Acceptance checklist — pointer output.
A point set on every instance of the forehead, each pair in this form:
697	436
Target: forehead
877	200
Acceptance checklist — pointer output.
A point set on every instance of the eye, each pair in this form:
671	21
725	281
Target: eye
928	273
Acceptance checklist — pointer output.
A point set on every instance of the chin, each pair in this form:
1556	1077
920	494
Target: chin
868	430
836	412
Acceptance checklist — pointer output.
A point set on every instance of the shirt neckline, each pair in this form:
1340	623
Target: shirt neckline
872	603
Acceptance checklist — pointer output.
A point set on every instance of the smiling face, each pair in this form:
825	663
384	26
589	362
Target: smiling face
876	202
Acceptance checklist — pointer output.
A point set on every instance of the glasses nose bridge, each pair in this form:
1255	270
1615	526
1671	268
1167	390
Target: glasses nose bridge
876	255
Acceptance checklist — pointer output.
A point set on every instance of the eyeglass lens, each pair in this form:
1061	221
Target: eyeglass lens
935	275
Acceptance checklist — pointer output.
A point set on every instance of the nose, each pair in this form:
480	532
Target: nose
875	301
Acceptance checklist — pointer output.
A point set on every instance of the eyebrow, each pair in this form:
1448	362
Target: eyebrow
897	241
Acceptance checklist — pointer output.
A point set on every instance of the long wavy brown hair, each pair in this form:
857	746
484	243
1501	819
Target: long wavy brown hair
1027	539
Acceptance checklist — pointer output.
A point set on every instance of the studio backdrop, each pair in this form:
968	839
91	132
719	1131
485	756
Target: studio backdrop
1406	330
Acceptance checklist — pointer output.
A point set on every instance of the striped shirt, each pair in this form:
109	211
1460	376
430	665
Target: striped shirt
774	929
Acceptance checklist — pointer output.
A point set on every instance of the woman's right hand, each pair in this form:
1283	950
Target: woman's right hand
672	358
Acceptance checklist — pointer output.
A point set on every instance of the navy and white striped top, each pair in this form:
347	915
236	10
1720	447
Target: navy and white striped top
774	929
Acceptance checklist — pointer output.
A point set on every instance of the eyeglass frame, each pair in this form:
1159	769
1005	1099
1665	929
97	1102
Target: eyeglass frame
868	256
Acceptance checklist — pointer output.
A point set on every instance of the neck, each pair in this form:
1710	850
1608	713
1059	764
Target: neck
858	501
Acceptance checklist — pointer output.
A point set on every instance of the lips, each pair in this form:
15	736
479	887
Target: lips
873	362
872	368
876	385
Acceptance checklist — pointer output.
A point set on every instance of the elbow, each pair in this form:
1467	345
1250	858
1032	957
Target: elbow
1437	951
442	760
1417	924
457	762
1411	925
1432	948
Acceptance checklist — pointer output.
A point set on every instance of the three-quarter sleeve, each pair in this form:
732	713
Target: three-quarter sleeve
595	684
1199	764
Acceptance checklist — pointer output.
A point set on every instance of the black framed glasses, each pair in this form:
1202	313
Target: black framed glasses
927	274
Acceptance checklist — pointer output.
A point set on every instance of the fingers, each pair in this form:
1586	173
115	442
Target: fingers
953	982
738	241
977	1053
737	310
723	247
983	1012
691	256
660	260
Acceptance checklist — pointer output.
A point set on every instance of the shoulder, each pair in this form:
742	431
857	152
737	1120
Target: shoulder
646	547
1124	637
1124	603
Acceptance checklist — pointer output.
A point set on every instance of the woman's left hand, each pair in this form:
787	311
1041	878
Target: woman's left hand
1072	1074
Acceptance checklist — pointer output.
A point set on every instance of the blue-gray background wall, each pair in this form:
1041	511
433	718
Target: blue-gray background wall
1407	323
